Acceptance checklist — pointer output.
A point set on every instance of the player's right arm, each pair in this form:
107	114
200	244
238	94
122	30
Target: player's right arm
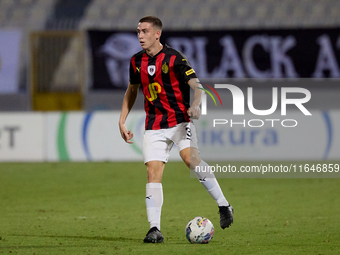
128	101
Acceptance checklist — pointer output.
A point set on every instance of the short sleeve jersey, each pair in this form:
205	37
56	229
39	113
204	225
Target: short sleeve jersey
163	78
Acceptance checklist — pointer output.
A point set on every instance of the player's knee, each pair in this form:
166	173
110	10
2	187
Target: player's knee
155	172
195	158
191	159
187	161
154	176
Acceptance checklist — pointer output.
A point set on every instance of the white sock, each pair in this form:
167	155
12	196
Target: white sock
154	202
210	183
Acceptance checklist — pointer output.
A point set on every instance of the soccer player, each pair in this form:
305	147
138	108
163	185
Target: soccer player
166	78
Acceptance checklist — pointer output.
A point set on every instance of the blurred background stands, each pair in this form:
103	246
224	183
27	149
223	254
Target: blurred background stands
79	15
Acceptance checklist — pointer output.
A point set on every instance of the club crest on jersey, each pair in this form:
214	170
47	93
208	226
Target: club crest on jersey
152	70
165	68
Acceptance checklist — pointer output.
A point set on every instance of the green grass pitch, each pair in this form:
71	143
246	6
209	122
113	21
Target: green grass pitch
99	208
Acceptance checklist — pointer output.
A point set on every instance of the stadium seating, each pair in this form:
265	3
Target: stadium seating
191	14
32	15
201	14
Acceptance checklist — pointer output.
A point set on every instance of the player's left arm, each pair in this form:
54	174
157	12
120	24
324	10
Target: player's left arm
195	111
188	74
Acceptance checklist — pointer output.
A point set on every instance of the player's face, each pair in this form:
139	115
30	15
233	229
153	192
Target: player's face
147	35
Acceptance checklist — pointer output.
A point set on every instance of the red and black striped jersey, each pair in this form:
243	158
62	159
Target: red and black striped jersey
164	80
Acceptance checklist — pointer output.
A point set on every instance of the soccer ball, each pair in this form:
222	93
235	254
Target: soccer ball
199	230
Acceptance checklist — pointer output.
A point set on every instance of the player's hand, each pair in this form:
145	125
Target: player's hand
194	112
126	135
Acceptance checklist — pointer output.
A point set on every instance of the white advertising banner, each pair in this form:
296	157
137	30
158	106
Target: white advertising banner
224	136
21	137
9	60
93	136
333	136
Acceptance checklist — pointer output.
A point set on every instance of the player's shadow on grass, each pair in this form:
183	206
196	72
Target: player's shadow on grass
99	238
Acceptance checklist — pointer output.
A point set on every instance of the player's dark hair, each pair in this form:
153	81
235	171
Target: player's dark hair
156	22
